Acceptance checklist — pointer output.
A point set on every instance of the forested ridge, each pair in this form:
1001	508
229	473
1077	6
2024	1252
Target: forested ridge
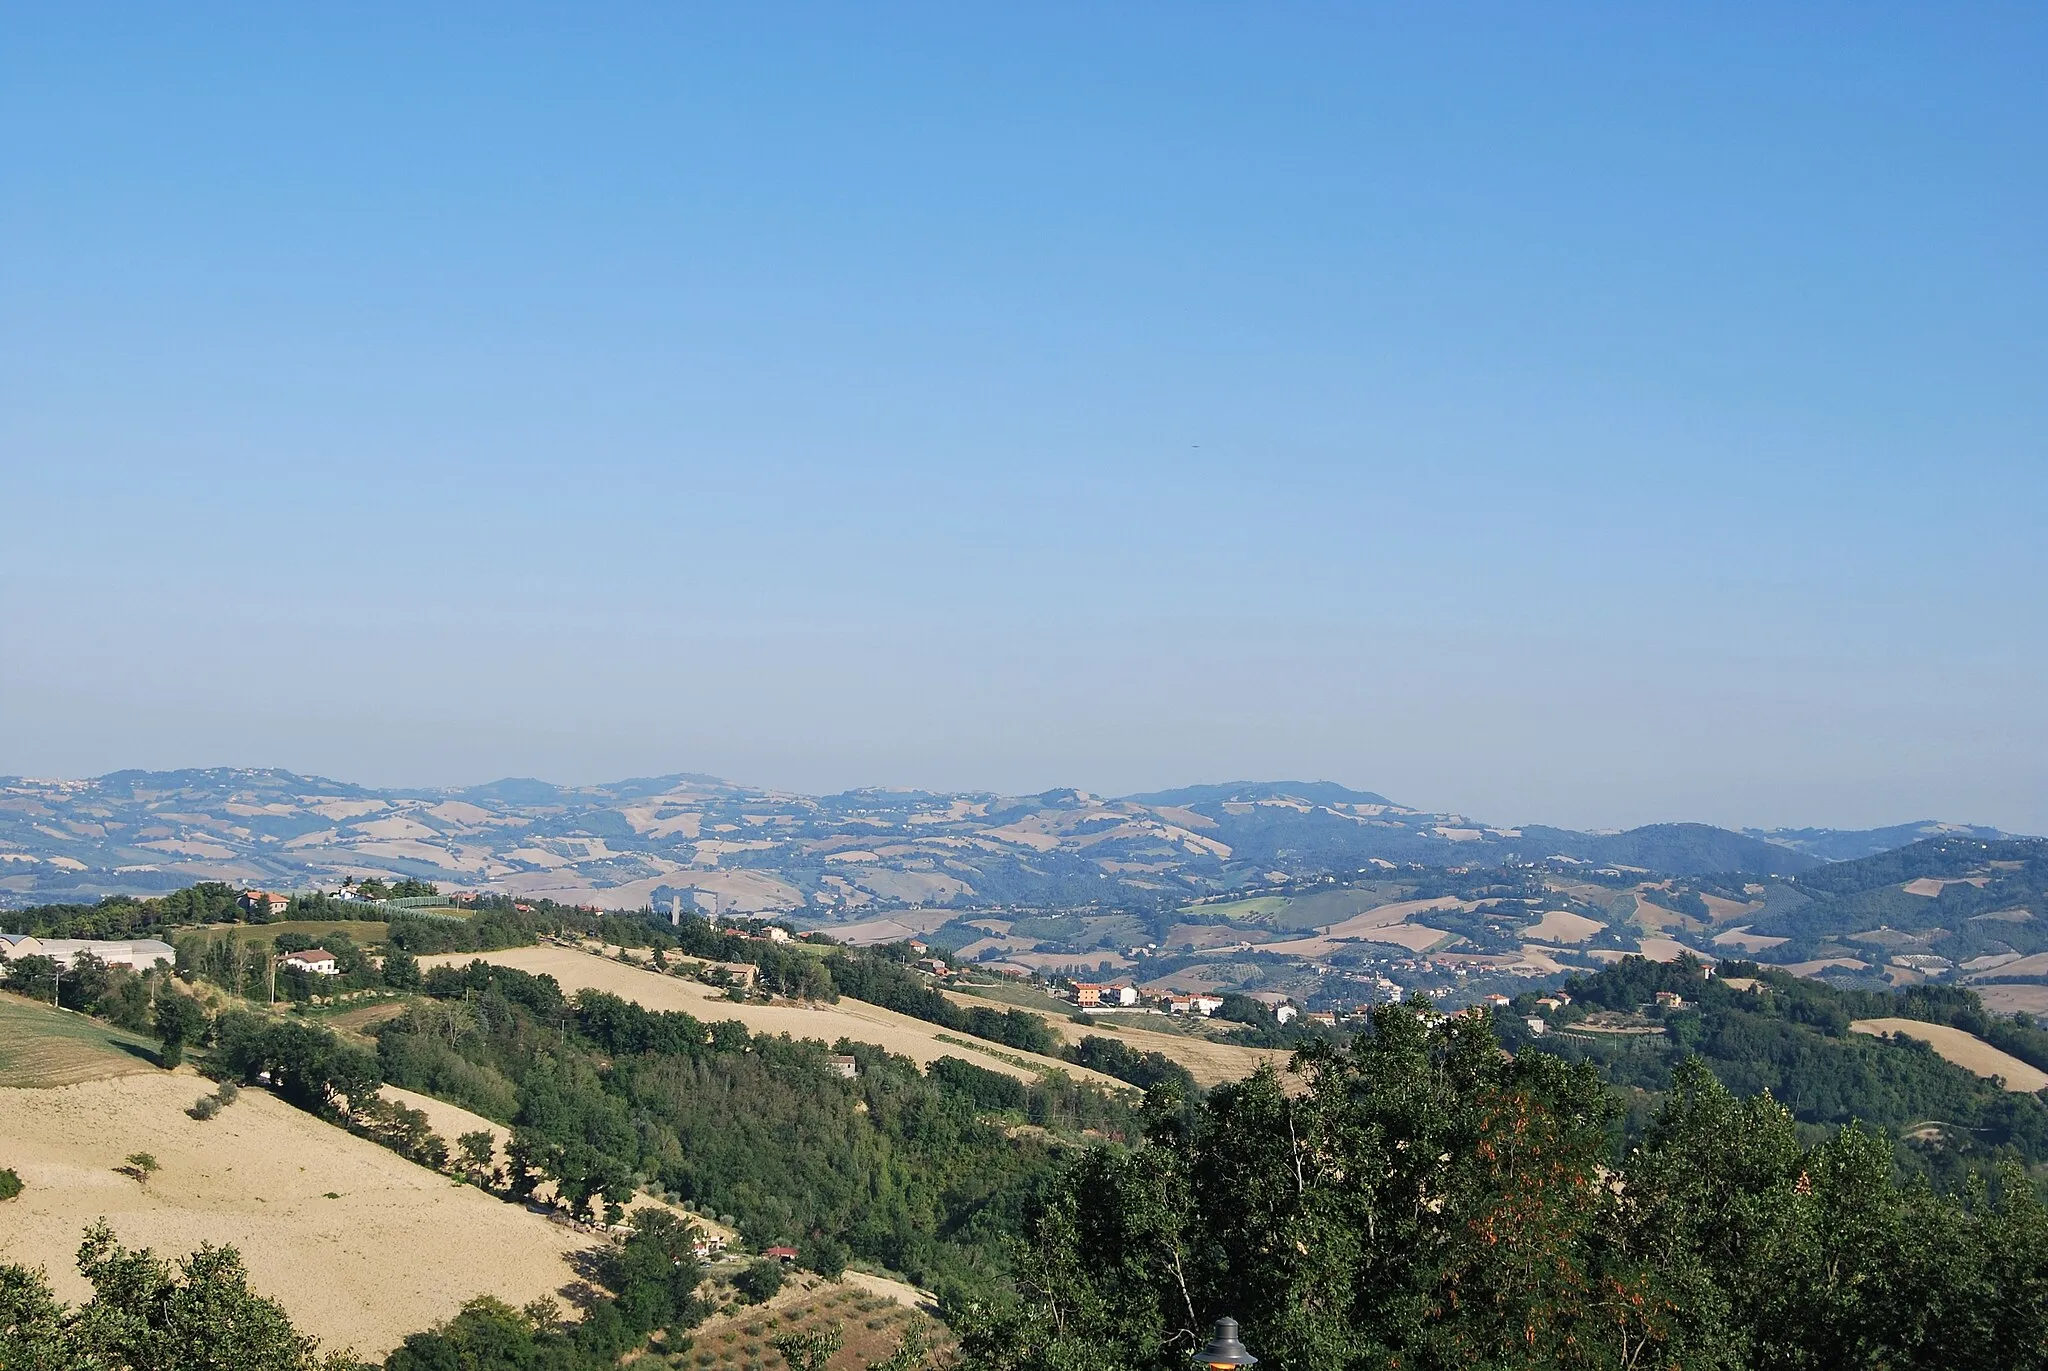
1791	1036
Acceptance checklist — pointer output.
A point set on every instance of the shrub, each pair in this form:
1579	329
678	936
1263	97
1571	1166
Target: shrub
204	1108
759	1282
227	1092
10	1183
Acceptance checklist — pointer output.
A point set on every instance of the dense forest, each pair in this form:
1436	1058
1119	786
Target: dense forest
1431	1202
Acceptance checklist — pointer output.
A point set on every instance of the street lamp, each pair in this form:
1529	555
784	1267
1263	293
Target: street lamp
1225	1352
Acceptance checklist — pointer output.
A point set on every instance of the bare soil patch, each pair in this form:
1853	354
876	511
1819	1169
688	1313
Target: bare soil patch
1931	886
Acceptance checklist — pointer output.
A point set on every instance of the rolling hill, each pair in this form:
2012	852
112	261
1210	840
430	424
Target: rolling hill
721	847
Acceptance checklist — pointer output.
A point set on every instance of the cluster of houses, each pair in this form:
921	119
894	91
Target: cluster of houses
1123	995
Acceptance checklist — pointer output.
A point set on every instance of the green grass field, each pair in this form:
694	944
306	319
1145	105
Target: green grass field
42	1046
361	931
1023	996
1299	913
1258	907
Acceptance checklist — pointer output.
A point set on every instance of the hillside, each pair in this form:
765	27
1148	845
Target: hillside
318	1214
720	847
847	1019
1953	909
1950	1084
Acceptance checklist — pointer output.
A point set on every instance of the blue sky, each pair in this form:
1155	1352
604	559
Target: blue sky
1591	415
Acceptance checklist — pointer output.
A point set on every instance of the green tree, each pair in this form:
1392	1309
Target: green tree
86	984
478	1149
180	1020
152	1316
33	976
811	1349
401	969
33	1332
759	1282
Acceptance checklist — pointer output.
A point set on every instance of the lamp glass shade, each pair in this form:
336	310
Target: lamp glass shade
1224	1350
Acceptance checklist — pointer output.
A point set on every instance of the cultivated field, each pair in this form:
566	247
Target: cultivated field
1563	926
2014	999
869	1312
1966	1050
1745	941
359	1245
41	1046
2034	965
854	1019
1387	923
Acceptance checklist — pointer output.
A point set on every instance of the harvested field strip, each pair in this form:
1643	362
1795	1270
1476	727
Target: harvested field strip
828	1023
1210	1063
1966	1050
396	1249
41	1045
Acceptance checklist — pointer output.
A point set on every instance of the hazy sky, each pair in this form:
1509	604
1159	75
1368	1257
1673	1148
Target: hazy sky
1579	414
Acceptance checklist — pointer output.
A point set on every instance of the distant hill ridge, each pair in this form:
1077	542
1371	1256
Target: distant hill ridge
723	846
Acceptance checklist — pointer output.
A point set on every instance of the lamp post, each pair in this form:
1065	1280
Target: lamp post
1225	1352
